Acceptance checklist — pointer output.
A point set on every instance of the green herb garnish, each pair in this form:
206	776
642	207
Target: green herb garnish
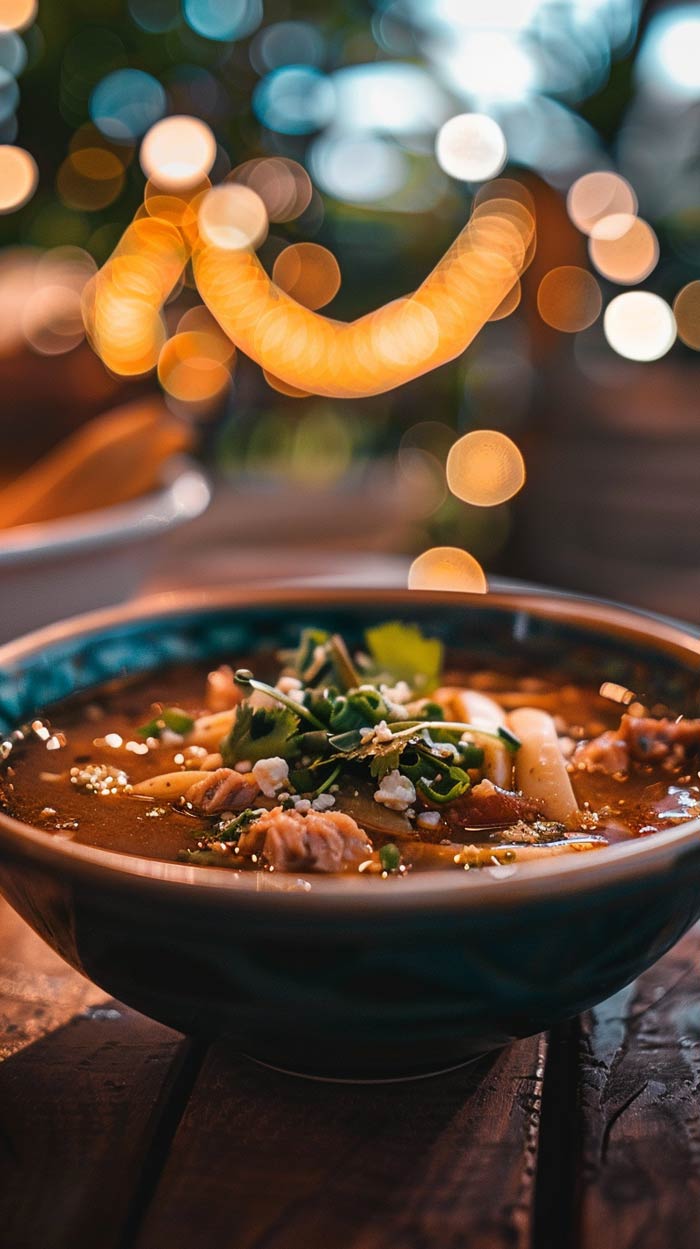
401	652
390	857
261	733
173	718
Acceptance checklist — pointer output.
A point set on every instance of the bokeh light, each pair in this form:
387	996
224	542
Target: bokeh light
287	43
623	248
283	185
485	468
598	195
296	99
192	366
686	309
17	14
223	20
639	325
508	305
18	177
309	273
471	147
447	568
90	178
178	152
126	103
669	58
232	217
569	299
358	169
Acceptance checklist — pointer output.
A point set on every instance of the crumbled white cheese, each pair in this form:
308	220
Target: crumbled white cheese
302	805
396	791
137	748
169	738
399	693
366	734
324	802
271	775
115	740
243	765
382	732
429	819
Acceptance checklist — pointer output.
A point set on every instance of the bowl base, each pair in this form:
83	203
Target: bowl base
362	1079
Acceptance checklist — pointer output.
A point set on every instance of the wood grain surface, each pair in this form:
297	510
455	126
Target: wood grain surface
116	1133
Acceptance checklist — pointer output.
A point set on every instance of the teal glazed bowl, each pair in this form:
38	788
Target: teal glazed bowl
355	978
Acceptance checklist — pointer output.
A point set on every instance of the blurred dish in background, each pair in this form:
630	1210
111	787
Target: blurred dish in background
57	568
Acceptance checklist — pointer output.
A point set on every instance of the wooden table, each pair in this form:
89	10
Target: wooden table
116	1132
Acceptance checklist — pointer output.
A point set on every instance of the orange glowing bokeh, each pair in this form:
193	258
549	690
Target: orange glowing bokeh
623	248
90	178
686	309
385	348
447	568
232	217
17	14
282	388
18	177
485	468
509	304
309	273
283	185
597	195
569	299
192	366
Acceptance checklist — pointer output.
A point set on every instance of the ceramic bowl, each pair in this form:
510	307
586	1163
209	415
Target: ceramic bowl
355	978
51	570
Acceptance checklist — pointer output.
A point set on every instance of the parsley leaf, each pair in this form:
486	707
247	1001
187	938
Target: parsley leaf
261	734
401	652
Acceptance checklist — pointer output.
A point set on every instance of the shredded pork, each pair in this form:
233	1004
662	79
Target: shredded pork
314	841
224	790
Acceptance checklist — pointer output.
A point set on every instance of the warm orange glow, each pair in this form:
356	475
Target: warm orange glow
447	568
290	391
623	248
122	304
485	467
178	152
385	348
509	304
18	177
232	217
597	195
52	321
309	273
192	366
569	299
686	309
283	185
17	14
90	178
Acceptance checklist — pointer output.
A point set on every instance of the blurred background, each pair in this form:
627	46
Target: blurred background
586	110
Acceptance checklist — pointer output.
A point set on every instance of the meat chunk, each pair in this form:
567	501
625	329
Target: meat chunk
224	790
315	841
641	739
488	806
608	753
654	741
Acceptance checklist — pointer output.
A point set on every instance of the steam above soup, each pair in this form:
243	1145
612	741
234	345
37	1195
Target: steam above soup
378	763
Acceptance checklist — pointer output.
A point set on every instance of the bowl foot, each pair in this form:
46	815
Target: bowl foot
362	1079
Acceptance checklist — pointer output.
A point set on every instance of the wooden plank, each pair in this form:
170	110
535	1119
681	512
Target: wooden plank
83	1085
265	1160
640	1107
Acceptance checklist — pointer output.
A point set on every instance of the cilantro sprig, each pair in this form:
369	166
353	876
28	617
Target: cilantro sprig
261	733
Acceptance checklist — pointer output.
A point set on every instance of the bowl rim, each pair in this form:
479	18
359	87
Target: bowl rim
184	494
501	887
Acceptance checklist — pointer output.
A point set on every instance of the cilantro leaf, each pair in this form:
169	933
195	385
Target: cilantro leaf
260	734
400	651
